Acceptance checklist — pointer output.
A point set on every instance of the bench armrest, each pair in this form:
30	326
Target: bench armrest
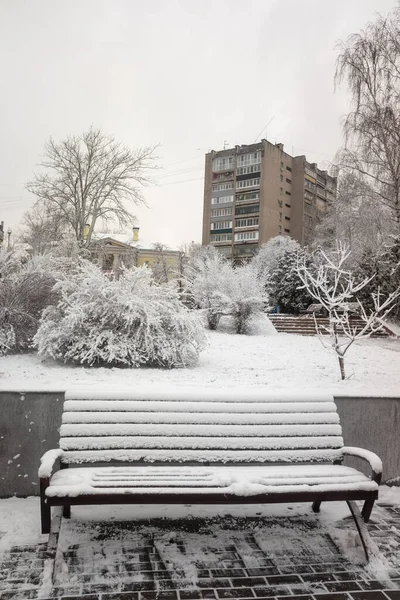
372	458
47	462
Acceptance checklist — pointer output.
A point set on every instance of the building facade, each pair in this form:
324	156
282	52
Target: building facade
111	252
255	192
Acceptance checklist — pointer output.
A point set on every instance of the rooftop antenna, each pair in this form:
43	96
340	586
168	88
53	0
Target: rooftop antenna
264	128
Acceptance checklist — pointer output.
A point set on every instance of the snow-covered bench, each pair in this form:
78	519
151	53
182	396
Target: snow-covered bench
247	447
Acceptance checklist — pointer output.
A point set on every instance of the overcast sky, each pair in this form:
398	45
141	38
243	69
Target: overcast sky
189	75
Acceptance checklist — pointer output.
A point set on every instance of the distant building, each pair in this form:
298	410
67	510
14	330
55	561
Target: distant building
255	192
1	233
112	251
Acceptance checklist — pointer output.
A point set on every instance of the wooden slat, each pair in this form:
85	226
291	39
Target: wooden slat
200	407
111	417
200	443
192	430
327	455
203	394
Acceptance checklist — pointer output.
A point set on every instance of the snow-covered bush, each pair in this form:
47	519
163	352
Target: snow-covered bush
384	268
246	294
276	265
24	293
219	288
129	322
205	280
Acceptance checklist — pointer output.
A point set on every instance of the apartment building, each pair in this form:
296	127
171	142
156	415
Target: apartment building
255	192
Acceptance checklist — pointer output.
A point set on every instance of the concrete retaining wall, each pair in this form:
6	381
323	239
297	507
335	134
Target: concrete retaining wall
29	425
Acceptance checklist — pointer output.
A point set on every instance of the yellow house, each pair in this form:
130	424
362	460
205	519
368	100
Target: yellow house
112	251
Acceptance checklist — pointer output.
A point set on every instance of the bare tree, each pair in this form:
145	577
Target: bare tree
354	218
160	267
91	177
369	62
335	288
41	228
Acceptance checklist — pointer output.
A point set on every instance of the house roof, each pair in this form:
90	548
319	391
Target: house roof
126	238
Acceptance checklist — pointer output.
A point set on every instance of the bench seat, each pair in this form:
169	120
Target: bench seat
227	481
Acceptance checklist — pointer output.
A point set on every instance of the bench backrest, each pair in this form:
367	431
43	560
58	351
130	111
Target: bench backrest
201	426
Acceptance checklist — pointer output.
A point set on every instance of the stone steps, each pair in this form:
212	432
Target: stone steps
305	325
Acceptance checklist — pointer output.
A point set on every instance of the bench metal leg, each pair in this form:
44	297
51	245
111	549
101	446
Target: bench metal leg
67	511
45	509
316	506
367	509
361	528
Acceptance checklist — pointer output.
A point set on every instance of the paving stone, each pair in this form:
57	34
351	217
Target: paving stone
264	571
84	597
337	596
297	597
248	581
372	595
119	596
346	575
158	595
318	577
216	583
278	579
270	592
342	586
235	593
371	584
195	594
393	594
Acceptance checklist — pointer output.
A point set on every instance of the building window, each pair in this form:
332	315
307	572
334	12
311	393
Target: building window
221	225
280	202
287	230
252	222
248	196
221	237
225	163
287	218
249	159
220	187
288	180
222	212
246	235
281	178
281	190
248	169
288	205
280	228
246	183
289	169
288	193
246	210
225	250
222	200
280	216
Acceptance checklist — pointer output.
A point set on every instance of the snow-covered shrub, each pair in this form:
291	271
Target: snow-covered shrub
24	293
276	265
247	295
384	268
205	279
128	322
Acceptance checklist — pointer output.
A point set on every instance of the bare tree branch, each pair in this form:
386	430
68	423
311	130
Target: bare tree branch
92	176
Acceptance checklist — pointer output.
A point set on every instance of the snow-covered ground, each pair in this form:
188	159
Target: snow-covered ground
276	361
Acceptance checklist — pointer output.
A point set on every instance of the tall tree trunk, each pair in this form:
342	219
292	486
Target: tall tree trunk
341	365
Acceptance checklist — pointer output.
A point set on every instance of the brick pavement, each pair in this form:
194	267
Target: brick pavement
219	560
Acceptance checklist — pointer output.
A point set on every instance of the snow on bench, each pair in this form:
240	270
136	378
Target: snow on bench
247	447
